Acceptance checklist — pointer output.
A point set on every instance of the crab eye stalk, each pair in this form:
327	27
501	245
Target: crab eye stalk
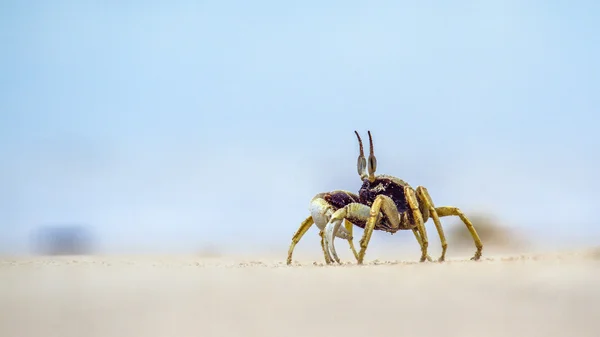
361	164
372	159
372	165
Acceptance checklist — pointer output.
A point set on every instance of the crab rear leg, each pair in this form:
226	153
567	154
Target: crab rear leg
304	227
455	211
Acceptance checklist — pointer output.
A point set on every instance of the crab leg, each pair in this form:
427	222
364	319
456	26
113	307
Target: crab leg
418	222
349	226
419	241
304	227
373	218
324	247
450	211
425	200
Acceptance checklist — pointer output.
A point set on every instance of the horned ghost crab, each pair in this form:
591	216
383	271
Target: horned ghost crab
390	204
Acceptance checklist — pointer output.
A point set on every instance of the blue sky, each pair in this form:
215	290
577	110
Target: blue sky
172	125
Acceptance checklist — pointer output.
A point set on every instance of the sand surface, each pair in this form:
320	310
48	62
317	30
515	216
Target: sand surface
552	294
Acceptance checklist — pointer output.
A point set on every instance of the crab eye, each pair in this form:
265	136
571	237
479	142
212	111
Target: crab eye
372	164
361	165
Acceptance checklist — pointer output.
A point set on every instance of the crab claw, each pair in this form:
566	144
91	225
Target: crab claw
332	230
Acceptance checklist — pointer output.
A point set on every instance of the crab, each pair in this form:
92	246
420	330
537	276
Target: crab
390	204
322	207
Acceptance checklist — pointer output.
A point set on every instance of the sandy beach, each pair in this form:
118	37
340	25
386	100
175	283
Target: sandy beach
549	294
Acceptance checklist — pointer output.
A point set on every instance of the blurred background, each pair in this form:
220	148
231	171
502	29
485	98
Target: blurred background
207	126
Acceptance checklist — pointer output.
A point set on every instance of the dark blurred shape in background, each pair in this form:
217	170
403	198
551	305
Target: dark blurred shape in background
491	233
210	251
62	240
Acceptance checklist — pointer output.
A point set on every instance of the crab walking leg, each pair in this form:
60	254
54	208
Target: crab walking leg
324	247
418	237
417	216
455	211
349	226
373	219
425	199
304	226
